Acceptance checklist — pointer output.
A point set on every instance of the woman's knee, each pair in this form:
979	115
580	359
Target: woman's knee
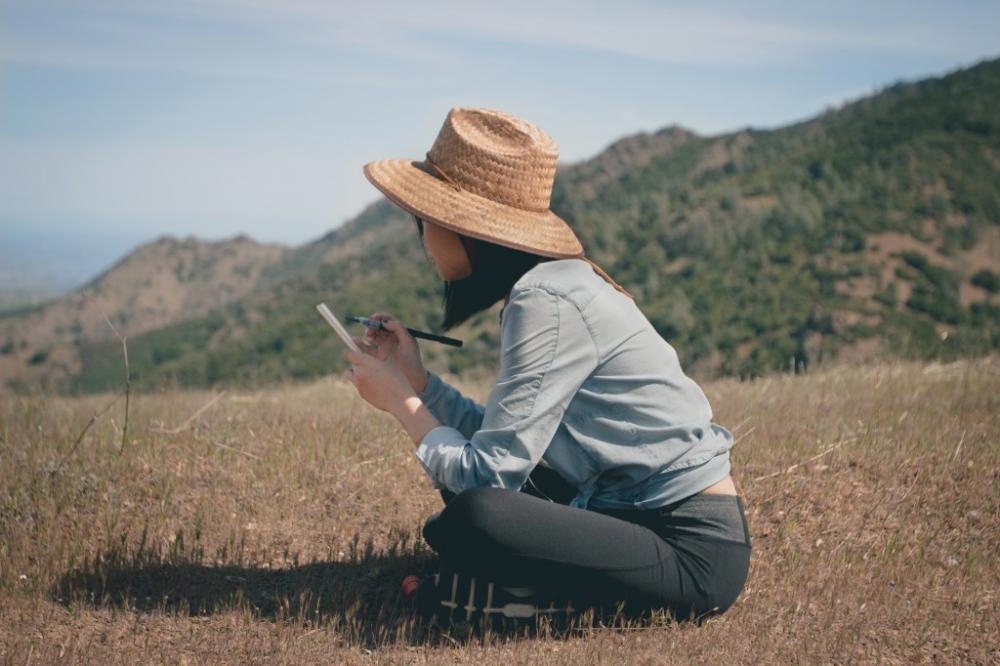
476	516
476	508
470	520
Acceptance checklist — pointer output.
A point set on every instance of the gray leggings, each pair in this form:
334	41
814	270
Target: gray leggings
690	558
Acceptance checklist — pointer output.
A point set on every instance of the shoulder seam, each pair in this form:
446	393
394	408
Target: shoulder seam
538	283
541	286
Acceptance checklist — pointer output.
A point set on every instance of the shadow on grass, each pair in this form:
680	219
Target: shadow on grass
359	596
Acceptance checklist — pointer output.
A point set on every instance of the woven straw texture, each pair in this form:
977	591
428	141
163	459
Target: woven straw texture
489	175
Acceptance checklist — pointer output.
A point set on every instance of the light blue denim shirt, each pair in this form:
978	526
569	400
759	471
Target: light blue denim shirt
586	387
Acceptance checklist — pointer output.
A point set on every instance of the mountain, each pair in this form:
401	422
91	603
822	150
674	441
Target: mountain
873	228
39	264
158	284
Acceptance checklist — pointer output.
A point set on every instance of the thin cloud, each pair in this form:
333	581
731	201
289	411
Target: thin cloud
233	115
298	39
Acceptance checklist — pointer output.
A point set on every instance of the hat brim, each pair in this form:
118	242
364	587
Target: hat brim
407	184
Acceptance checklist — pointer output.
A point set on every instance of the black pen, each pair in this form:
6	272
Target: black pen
377	324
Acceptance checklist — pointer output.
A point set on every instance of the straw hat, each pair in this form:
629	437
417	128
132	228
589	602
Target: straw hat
489	175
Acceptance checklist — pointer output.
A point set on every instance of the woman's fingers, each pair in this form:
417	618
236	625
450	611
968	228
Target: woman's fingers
366	346
396	328
381	335
354	358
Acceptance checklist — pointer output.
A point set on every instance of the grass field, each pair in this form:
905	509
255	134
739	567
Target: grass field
276	527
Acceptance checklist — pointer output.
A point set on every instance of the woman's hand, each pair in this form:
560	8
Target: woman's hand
379	382
395	345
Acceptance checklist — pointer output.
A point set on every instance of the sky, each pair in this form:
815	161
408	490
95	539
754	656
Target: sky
125	120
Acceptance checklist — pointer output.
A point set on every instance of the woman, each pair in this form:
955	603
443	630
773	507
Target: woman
627	499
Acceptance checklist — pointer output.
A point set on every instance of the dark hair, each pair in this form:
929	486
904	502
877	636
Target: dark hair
495	269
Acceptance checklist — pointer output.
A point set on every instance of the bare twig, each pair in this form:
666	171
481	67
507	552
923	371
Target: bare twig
913	484
348	471
807	461
83	432
191	419
739	425
252	399
235	450
958	448
128	376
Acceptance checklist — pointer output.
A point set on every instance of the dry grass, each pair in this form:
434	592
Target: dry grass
277	526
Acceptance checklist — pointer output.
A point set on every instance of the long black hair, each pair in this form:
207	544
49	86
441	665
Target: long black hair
495	269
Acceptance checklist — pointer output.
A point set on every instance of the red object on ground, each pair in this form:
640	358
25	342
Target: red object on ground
410	585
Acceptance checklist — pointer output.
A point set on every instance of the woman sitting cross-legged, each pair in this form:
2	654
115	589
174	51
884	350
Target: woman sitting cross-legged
594	475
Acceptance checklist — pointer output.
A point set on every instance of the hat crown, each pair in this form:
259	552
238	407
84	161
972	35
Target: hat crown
497	156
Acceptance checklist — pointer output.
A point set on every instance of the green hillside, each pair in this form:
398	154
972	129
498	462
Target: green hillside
873	228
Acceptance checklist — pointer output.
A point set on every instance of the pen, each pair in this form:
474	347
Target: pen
377	324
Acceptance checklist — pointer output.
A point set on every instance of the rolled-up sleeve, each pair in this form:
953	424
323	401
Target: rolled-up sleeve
546	354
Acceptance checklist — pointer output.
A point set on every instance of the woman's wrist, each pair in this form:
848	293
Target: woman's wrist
421	385
415	418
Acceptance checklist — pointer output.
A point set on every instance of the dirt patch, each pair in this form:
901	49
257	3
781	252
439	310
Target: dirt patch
882	247
985	253
861	351
862	287
721	152
677	265
844	320
759	203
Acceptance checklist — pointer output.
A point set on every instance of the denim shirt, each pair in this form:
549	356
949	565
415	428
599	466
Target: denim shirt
586	387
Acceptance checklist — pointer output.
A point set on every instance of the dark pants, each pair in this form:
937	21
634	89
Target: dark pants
690	558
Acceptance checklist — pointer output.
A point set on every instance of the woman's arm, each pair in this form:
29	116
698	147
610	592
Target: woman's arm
381	383
395	344
415	418
546	355
390	371
450	407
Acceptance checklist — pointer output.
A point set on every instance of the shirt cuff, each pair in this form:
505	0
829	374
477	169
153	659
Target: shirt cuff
434	450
